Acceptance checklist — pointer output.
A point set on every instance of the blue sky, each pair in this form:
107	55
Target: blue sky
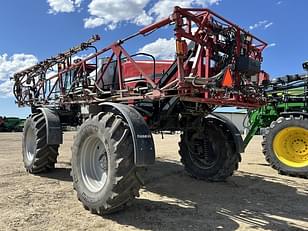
35	30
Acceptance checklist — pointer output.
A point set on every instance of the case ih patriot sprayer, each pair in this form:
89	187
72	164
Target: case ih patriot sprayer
118	99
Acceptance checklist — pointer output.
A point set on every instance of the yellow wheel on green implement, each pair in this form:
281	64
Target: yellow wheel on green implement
285	146
291	146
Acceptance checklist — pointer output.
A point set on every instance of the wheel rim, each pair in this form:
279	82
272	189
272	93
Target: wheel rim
30	144
201	152
94	163
291	146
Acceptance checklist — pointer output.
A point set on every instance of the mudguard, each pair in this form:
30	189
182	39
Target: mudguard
144	150
53	126
231	128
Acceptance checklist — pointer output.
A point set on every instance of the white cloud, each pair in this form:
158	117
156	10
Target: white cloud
63	6
93	22
268	25
163	8
6	89
258	24
271	45
78	3
261	24
143	19
11	65
279	2
162	48
111	12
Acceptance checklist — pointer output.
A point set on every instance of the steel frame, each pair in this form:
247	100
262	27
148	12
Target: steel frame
31	84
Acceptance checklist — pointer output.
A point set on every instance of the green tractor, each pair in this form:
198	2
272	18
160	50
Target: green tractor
11	124
285	119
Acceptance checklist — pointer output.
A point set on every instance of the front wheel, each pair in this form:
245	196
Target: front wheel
103	170
207	153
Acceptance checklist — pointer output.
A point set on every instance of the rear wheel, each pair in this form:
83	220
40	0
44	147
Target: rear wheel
207	153
103	170
285	146
38	156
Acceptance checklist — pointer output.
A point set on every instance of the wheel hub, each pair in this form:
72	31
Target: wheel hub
103	162
93	163
291	146
201	151
30	144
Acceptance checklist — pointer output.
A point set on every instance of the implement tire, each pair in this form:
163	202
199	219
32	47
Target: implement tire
285	146
103	170
207	153
38	156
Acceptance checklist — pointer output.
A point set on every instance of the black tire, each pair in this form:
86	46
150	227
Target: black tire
208	153
122	182
38	156
273	158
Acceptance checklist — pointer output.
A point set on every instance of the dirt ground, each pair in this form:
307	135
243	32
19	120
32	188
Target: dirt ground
255	198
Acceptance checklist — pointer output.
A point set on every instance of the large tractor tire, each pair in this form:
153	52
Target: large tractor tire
285	146
103	170
38	156
207	153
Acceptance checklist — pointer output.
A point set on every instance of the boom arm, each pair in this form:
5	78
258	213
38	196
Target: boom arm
216	63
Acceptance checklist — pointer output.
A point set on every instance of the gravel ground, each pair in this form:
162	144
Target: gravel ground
255	198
